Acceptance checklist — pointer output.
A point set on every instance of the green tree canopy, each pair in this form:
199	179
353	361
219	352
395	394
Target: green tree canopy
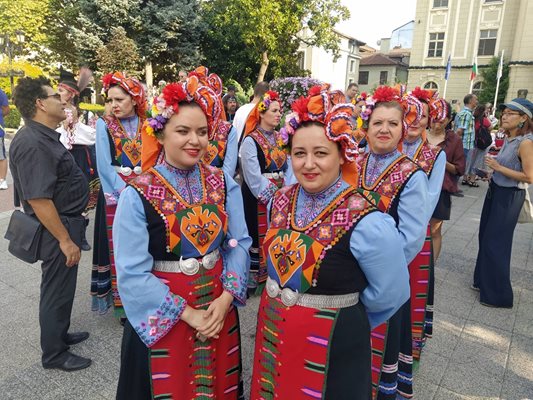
119	54
249	35
489	82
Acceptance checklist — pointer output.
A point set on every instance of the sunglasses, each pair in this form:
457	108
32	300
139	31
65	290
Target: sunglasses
56	96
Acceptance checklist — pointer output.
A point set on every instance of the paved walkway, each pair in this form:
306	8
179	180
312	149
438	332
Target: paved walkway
476	352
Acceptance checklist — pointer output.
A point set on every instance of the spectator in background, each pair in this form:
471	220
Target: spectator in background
230	107
230	93
4	110
182	75
244	111
351	92
464	127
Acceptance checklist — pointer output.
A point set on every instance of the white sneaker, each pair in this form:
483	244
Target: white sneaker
3	184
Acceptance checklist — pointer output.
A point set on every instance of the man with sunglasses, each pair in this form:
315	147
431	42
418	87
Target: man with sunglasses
53	189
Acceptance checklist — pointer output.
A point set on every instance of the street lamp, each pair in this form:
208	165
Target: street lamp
9	47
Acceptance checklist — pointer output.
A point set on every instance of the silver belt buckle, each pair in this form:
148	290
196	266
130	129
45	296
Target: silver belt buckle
287	296
275	175
209	260
137	170
126	171
281	174
191	266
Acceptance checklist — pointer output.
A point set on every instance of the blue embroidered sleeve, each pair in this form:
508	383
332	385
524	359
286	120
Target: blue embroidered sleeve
112	184
376	245
413	223
150	306
236	259
230	158
251	172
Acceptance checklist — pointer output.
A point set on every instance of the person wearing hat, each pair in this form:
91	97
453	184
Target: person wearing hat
513	171
335	267
181	249
118	158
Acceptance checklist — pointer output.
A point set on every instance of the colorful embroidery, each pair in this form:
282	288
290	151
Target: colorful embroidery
127	150
275	155
234	284
267	193
216	149
425	157
164	319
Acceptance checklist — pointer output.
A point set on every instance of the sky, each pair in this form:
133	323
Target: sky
372	20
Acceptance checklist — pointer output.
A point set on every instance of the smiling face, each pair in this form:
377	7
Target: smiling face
385	129
185	137
415	131
122	104
316	160
271	117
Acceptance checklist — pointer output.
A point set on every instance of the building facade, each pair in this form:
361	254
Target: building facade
341	72
471	30
383	69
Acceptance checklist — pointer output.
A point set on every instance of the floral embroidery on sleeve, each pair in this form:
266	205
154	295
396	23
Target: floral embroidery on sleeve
267	193
160	323
234	284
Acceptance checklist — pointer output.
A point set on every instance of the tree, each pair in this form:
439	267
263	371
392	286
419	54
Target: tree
270	31
490	79
119	54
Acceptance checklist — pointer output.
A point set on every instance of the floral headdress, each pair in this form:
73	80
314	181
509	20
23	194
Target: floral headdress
436	105
131	86
263	105
361	97
167	104
412	107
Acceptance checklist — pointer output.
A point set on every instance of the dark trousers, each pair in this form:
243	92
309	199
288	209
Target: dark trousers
493	265
58	286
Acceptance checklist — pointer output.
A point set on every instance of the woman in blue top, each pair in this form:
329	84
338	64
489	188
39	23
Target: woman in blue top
181	249
513	170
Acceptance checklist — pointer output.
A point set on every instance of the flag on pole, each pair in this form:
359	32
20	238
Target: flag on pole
473	74
448	67
500	68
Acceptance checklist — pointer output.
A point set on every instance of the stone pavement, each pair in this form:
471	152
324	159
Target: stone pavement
475	353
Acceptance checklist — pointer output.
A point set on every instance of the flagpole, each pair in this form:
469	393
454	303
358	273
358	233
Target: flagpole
472	79
447	75
499	75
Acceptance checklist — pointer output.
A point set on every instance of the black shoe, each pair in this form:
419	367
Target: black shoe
71	362
85	246
76	337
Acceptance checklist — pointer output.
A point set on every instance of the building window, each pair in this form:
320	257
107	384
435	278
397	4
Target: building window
363	77
436	44
352	65
301	60
431	85
493	1
383	77
487	42
440	3
477	88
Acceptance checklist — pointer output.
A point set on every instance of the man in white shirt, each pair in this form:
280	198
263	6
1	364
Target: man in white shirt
239	121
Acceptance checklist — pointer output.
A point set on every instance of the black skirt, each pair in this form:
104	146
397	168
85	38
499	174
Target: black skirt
443	208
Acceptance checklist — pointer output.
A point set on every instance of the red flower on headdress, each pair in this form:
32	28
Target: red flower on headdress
422	94
315	90
107	80
385	94
272	95
300	107
173	94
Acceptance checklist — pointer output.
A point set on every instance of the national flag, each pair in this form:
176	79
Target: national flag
448	67
473	74
500	68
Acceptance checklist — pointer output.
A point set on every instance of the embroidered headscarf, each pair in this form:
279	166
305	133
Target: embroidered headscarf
167	104
131	86
323	106
436	106
255	116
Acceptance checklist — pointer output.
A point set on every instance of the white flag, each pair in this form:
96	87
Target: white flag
500	68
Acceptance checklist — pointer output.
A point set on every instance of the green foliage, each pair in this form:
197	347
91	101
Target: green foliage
95	108
21	66
119	54
489	75
12	120
247	36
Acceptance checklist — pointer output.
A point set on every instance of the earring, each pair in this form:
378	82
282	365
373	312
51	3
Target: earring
521	124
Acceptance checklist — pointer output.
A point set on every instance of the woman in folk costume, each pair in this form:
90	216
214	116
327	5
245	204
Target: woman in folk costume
182	259
223	147
401	189
118	157
335	267
432	159
79	138
265	168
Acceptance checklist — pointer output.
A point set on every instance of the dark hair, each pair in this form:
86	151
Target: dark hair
261	88
351	85
181	106
27	92
226	99
468	98
479	113
231	87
